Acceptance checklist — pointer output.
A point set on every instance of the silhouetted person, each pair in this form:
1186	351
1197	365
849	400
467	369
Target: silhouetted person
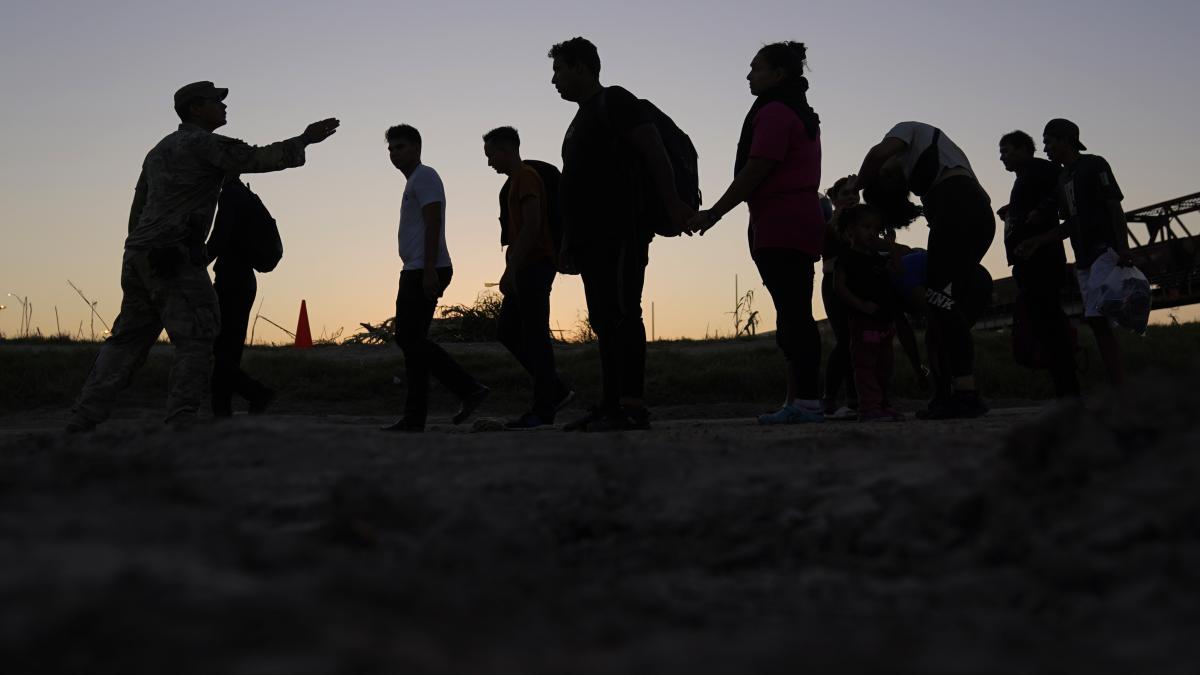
530	265
613	162
837	365
864	284
164	279
423	279
236	286
918	158
1095	222
1033	212
777	172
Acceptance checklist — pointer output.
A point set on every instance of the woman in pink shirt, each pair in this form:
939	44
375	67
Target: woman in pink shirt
777	171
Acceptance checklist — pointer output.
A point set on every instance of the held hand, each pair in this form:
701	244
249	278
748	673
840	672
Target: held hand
852	183
700	223
431	284
680	214
319	131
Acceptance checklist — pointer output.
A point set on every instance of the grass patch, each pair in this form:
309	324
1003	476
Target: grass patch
36	374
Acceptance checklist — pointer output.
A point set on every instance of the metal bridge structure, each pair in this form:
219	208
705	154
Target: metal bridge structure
1163	247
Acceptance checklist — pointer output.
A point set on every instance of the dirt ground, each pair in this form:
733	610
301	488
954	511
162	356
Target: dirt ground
1064	539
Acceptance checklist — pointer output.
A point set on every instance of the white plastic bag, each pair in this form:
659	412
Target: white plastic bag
1126	298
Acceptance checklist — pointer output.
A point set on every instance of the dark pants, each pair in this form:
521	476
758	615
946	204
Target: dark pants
788	276
1039	281
422	358
614	272
871	353
236	287
837	366
961	228
525	330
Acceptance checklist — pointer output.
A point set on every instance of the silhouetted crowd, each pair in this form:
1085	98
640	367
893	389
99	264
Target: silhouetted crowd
628	174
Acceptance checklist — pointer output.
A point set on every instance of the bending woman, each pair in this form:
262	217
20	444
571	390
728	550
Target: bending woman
777	171
918	158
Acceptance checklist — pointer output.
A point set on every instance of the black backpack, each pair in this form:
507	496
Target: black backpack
550	178
685	164
245	229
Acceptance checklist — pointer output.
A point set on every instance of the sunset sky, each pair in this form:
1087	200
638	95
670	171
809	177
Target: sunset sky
89	90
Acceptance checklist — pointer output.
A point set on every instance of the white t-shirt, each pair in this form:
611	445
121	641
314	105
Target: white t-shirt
424	187
919	136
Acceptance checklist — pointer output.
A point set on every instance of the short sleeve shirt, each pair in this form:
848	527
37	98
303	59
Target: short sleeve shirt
1085	190
597	188
527	183
785	210
424	187
919	136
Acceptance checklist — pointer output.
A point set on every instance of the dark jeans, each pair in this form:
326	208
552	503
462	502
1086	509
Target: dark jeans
1039	281
837	366
961	228
873	358
788	276
422	357
236	287
525	330
614	272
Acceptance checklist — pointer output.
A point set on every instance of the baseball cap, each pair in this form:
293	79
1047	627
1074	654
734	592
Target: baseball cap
203	89
1066	130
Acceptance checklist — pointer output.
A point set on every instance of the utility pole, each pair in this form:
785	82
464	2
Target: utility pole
652	334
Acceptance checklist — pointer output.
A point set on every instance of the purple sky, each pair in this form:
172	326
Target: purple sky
90	92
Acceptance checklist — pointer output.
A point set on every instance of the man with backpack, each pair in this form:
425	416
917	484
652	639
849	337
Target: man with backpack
529	270
619	187
244	238
1032	211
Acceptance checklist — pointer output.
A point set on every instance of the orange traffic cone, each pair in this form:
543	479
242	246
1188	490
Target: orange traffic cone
303	333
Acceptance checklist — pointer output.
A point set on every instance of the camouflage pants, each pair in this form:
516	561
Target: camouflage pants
185	305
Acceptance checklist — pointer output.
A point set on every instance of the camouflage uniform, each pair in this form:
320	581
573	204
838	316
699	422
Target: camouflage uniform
163	273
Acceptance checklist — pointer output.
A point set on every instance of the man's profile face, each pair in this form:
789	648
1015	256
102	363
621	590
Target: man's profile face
404	154
498	156
1013	156
209	113
567	79
1057	149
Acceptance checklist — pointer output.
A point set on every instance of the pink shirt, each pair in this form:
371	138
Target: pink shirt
785	211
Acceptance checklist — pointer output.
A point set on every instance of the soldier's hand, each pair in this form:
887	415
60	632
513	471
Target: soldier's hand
319	131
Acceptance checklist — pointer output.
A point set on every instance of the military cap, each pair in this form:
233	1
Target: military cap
204	89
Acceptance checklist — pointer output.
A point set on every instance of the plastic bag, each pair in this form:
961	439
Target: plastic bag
1126	298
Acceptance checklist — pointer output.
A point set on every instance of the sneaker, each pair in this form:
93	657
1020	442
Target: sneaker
581	423
842	414
940	408
259	404
404	425
470	403
791	415
970	404
625	418
527	421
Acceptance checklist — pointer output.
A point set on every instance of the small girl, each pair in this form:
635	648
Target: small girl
863	282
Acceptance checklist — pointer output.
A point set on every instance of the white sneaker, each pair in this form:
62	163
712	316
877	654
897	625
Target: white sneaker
843	414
